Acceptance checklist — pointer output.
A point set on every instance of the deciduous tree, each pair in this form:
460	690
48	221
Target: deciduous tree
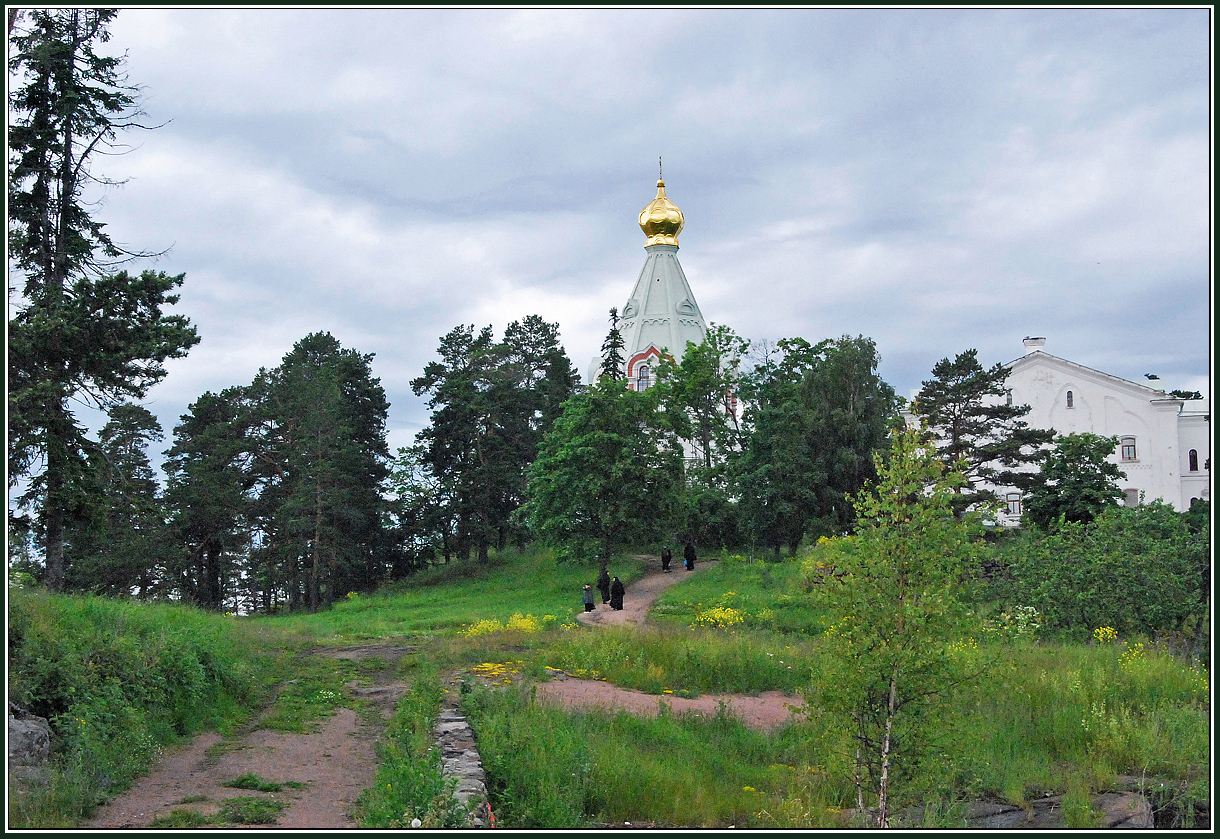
1076	482
893	592
608	473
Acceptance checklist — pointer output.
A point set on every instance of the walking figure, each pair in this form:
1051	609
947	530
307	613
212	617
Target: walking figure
603	585
688	556
667	557
587	595
616	595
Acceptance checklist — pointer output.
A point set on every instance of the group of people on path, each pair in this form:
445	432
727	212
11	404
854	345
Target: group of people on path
688	557
612	590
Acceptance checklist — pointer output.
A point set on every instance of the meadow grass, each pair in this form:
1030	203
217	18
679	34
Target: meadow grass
764	594
119	678
551	769
683	661
444	601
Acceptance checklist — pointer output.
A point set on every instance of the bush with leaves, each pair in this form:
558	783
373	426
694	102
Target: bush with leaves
1137	569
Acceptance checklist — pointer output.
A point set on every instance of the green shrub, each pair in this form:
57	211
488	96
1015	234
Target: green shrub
117	680
1136	569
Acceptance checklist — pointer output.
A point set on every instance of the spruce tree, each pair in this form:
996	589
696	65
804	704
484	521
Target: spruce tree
977	430
79	332
613	363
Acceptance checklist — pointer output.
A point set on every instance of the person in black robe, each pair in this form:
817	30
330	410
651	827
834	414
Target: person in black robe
587	596
603	585
688	556
667	557
616	594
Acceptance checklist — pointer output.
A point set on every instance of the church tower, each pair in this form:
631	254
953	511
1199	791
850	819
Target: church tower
661	314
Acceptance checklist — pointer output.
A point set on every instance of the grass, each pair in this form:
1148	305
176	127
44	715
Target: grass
119	679
409	783
253	782
445	600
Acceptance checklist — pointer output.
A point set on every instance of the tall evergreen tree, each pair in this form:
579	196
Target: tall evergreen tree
121	547
815	415
323	456
851	411
614	366
978	430
206	495
491	403
79	332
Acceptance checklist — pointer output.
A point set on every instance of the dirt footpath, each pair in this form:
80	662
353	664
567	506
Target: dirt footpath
764	712
338	761
640	594
333	764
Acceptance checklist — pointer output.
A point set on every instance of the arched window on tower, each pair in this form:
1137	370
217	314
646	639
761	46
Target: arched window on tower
1193	457
1069	399
643	378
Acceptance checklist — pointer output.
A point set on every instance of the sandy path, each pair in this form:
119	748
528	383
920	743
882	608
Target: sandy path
335	764
338	761
764	712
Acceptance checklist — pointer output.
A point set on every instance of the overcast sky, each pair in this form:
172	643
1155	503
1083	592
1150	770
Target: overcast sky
935	179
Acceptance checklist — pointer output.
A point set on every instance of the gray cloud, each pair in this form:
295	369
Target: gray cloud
936	179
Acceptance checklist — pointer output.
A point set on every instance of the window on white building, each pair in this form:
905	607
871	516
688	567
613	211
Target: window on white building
1131	497
1013	499
1126	448
1193	457
644	379
1069	399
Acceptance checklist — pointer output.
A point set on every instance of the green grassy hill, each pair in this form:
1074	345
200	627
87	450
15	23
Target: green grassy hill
118	679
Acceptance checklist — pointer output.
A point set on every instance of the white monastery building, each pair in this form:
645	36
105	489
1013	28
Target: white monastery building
1164	442
661	314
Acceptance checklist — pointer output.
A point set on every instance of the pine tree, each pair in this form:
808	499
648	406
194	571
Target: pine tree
206	495
79	332
975	426
322	455
491	403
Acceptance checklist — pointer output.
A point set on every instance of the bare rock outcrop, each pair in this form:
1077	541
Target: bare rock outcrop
29	743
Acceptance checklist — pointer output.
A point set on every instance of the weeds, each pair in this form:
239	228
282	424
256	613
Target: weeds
253	782
409	784
251	810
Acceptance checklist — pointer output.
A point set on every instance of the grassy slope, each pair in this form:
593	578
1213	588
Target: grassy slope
1045	717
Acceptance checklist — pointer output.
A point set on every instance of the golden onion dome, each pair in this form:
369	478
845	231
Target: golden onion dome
661	220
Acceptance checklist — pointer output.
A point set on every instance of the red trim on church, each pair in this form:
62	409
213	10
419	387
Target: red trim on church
651	355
